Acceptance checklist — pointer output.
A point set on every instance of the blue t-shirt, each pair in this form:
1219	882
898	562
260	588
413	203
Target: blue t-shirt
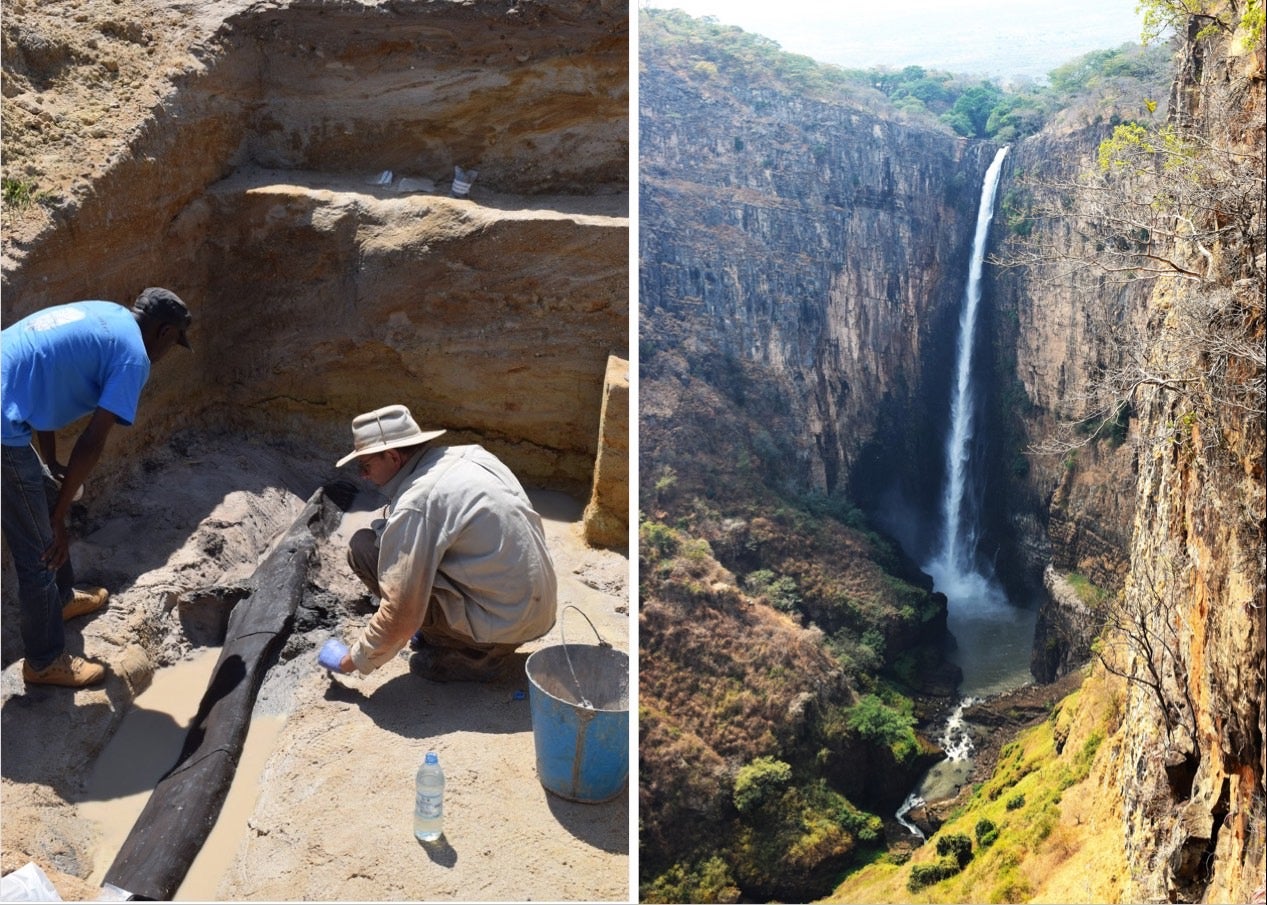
62	363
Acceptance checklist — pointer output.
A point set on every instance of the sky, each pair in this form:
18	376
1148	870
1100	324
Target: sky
1003	39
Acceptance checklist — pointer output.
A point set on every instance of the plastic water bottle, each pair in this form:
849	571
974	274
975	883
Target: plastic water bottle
429	800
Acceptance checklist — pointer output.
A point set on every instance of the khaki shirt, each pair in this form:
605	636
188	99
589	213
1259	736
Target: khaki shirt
462	535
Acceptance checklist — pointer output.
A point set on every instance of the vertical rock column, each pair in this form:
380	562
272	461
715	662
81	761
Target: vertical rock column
607	515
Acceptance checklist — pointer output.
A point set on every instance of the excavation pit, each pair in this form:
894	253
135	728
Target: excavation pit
328	796
234	155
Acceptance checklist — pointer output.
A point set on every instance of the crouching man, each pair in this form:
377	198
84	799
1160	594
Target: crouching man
460	562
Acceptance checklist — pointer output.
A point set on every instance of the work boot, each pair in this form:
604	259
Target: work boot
67	670
85	602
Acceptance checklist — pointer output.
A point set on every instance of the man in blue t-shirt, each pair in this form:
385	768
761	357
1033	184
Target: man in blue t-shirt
60	364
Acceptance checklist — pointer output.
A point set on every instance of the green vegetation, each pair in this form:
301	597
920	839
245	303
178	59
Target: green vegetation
957	846
954	851
657	541
780	590
1212	17
970	106
1083	80
1088	593
759	781
1016	210
776	826
927	874
986	832
985	109
834	506
708	880
893	726
1253	23
1013	830
726	47
802	830
664	484
18	193
1133	147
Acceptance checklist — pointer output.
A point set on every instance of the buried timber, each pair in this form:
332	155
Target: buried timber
329	813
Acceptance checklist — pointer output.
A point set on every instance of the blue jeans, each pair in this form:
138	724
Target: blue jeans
27	496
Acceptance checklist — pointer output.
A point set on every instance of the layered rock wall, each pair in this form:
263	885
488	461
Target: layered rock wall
242	173
1195	791
1059	324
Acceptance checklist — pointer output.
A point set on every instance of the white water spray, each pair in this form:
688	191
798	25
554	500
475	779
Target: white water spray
956	742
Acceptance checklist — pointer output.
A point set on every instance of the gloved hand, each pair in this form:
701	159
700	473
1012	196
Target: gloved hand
332	655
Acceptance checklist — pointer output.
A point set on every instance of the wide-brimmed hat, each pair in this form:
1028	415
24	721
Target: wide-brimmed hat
387	428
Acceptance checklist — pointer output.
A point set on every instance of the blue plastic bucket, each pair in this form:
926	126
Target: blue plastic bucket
579	695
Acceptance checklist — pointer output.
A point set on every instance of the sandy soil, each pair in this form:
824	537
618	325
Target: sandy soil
107	63
333	816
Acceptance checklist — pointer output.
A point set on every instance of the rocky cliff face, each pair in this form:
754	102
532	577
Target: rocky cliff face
800	260
756	205
239	155
1057	325
1193	770
1165	522
788	341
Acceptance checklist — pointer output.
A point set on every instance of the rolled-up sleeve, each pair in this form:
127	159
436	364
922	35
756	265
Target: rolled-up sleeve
461	535
409	554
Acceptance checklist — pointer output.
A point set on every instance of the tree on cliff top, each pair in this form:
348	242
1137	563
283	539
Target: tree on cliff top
1172	202
1201	18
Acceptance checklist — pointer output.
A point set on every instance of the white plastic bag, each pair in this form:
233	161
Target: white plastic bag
415	184
28	884
462	180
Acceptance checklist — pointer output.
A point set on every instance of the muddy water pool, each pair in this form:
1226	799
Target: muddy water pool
142	750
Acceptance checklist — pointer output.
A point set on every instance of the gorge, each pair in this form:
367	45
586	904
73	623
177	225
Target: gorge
803	252
992	636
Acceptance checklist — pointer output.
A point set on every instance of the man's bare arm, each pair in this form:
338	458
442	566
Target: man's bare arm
83	458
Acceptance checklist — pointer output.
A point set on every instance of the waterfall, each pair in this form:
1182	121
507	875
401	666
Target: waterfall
979	613
956	560
992	637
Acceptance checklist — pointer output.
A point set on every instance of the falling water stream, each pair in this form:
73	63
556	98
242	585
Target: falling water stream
993	637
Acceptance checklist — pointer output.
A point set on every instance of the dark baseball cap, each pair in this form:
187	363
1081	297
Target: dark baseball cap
165	306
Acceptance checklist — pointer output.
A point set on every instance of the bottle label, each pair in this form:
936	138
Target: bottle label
429	805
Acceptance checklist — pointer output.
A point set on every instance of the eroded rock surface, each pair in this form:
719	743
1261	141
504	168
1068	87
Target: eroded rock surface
234	153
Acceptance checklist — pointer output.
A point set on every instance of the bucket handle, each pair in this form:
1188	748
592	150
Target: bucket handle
563	634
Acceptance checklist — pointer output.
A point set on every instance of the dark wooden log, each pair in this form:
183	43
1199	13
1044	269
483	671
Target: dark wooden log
184	805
